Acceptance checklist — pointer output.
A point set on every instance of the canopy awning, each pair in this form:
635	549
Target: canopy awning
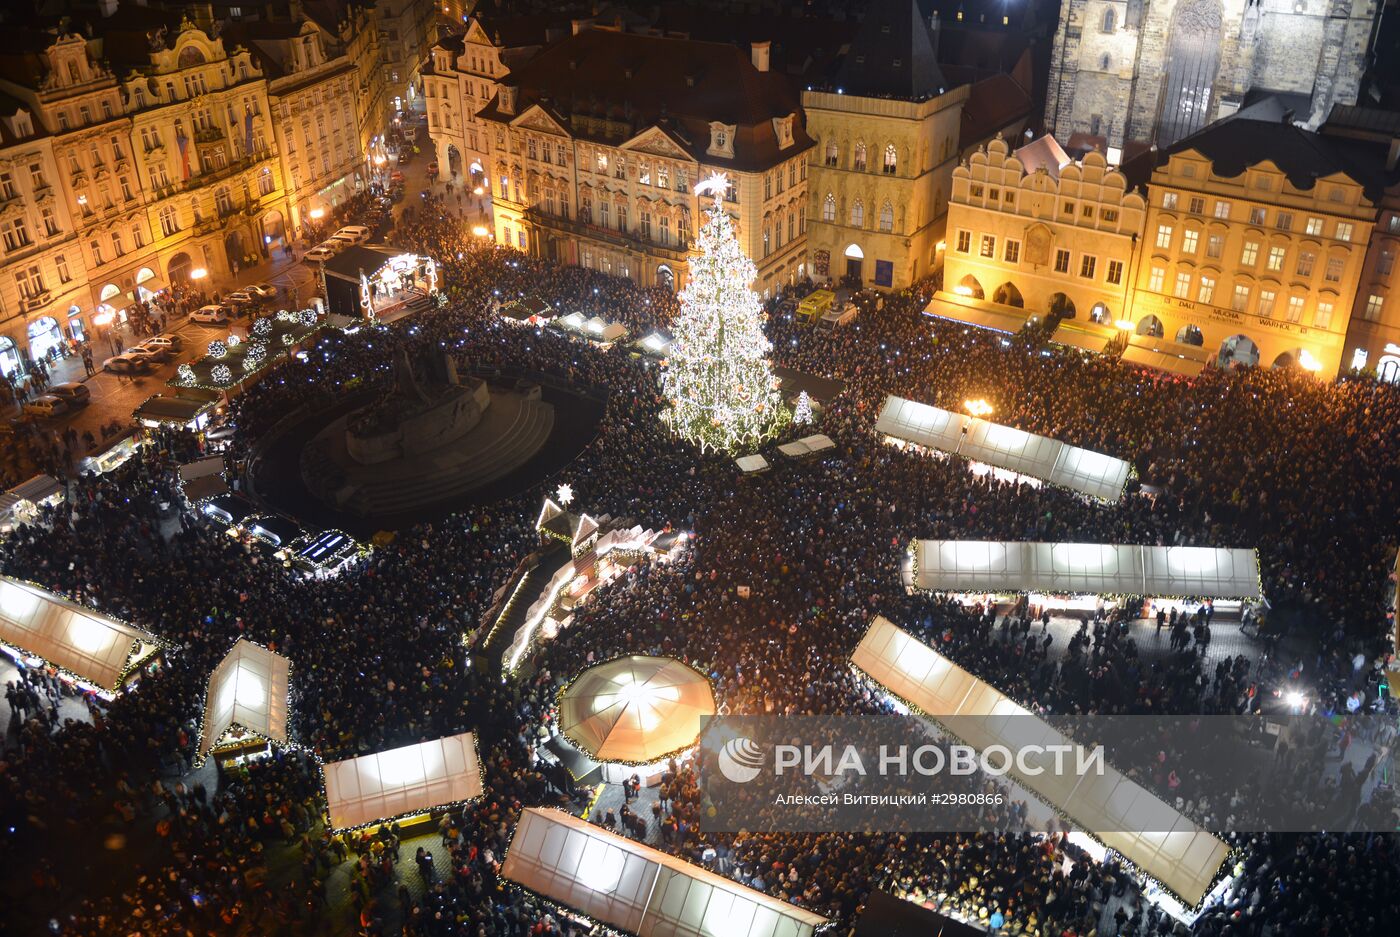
93	647
635	709
1092	341
402	781
1110	807
1006	319
807	446
1005	447
249	690
749	464
1172	364
625	884
36	490
1083	569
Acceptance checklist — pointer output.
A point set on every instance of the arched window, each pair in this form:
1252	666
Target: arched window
169	221
223	202
829	207
887	217
831	155
858	214
859	164
1109	20
891	159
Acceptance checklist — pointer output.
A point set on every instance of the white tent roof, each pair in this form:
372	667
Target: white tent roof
93	647
1083	569
35	489
401	781
749	464
248	689
635	709
1089	472
1004	447
1178	853
920	424
1201	571
807	445
202	468
628	885
1010	448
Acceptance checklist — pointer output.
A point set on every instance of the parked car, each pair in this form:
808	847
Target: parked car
396	177
71	393
355	234
210	315
159	354
241	298
127	364
262	290
168	339
49	405
321	253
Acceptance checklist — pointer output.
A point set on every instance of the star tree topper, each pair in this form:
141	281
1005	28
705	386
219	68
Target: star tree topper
715	186
565	494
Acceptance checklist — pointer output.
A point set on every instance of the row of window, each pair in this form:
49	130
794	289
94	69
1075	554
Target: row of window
1088	267
1267	300
1259	215
857	213
1252	253
889	163
1086	210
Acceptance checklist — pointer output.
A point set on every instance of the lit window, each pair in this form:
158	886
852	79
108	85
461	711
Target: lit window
1164	235
1344	229
1322	317
1266	302
989	246
1241	301
1155	281
1295	309
1206	293
1275	261
1183	285
1189	240
1222	210
1249	256
1374	304
1169	200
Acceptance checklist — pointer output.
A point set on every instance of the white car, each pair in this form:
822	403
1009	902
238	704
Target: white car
71	393
352	234
48	405
209	315
323	252
262	290
165	340
127	364
151	356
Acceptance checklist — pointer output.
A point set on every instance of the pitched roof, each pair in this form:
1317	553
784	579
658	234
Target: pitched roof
992	104
633	82
1234	144
1043	153
892	55
801	45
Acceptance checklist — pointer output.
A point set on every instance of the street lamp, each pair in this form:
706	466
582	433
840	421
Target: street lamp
1125	324
198	273
978	407
1307	362
317	214
481	231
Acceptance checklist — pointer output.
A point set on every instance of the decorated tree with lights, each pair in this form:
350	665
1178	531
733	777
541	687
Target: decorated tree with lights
802	413
721	391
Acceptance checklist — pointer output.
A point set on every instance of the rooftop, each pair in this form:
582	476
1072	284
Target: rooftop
892	55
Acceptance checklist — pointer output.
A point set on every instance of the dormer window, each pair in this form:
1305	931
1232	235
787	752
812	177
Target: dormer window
782	128
721	140
507	100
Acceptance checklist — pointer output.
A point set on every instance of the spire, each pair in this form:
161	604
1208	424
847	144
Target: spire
892	55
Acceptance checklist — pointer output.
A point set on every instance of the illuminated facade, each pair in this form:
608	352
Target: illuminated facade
584	175
1044	237
1254	244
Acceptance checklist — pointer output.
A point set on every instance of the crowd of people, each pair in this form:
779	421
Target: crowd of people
1273	459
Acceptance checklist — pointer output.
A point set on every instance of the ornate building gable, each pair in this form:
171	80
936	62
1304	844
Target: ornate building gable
538	119
654	141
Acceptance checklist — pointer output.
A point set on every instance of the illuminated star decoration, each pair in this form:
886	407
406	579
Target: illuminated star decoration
715	186
566	494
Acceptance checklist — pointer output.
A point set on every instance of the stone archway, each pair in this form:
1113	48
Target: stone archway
1239	351
969	286
1008	295
1151	325
1190	334
1062	306
1100	314
178	270
666	278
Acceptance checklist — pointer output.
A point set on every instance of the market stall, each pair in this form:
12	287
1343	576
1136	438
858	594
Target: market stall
246	704
400	782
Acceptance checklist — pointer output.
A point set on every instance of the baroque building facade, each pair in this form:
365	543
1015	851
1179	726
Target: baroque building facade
1041	235
1156	71
597	143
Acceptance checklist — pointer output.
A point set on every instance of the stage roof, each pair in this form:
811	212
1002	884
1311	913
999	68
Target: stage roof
1083	569
92	646
1004	447
401	781
627	885
635	709
1174	850
249	690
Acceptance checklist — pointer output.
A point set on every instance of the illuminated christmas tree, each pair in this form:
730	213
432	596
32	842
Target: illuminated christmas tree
722	394
802	413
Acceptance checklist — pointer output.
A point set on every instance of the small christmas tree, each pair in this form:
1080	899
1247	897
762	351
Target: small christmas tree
722	394
802	415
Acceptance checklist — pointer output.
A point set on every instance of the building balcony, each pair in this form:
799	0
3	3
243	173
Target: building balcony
29	302
616	238
208	134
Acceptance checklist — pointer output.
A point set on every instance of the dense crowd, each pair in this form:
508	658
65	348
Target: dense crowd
1242	458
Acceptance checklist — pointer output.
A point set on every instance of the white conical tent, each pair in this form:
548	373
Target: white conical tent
248	690
635	709
95	648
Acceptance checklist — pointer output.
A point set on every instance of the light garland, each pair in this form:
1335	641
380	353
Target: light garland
286	315
217	349
802	414
722	393
221	374
307	316
233	340
263	327
186	374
